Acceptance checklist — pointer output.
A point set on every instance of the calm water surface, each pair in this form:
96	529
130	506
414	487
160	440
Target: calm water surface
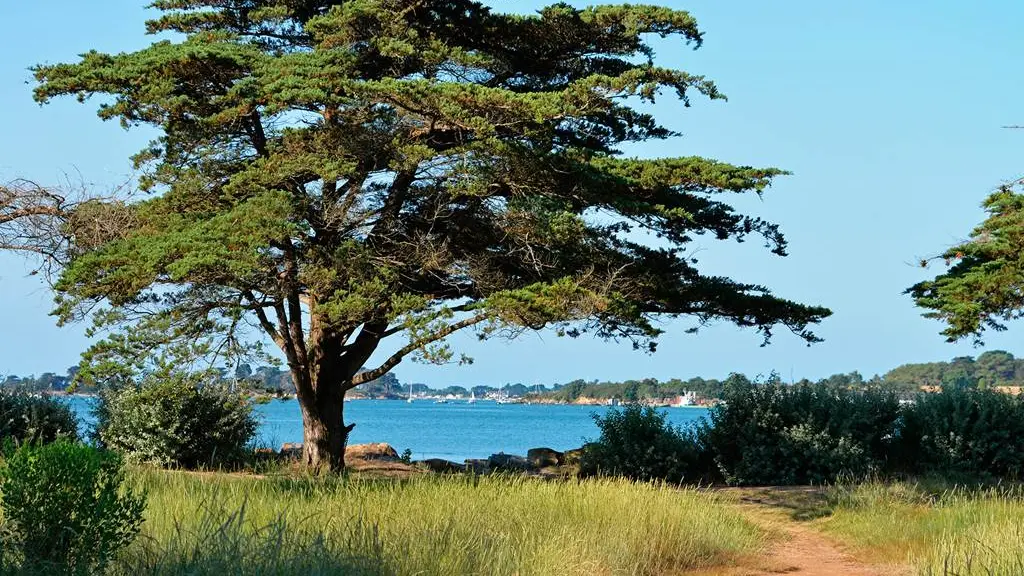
454	431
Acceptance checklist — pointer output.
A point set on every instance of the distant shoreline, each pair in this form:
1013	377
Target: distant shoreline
656	403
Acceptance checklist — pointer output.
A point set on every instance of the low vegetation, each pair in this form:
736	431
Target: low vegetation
953	531
223	525
767	434
32	419
176	422
776	434
65	509
966	432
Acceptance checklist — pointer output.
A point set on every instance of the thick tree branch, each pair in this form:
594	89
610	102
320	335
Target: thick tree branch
10	216
357	353
397	357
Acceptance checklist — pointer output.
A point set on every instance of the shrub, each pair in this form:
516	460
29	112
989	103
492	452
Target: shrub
636	442
26	418
175	422
66	509
965	431
777	434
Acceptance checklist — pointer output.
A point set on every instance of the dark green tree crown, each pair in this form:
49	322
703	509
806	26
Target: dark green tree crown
407	166
983	286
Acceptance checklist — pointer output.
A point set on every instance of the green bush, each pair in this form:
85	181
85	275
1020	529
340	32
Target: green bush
965	431
175	422
636	442
772	433
26	418
66	509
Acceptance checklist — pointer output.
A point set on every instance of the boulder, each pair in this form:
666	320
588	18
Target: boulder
291	450
543	457
264	454
508	462
477	466
377	451
441	466
572	456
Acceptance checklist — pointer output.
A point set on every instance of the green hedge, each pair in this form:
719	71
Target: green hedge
776	434
29	418
968	432
799	434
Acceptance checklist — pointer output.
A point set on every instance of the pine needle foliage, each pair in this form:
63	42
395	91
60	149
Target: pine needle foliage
338	173
983	286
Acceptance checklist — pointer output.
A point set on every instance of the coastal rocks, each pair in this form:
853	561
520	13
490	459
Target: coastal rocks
264	454
377	451
572	457
477	466
441	466
291	450
544	457
508	462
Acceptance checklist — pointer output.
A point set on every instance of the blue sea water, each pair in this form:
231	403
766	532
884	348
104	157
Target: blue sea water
454	431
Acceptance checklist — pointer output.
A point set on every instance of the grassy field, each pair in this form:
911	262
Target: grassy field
225	525
949	532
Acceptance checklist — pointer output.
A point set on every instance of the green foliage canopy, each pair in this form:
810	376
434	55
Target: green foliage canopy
984	284
342	172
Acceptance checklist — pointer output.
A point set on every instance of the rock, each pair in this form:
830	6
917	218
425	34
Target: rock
440	465
263	454
572	456
478	466
543	457
509	462
291	450
378	451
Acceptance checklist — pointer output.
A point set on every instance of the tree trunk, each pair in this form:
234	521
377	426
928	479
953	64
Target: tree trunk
325	380
325	433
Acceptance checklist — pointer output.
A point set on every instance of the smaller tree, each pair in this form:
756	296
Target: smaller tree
983	286
995	368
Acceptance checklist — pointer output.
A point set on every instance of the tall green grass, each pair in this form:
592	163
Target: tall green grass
225	525
950	532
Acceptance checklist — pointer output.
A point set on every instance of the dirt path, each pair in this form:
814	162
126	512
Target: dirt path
798	548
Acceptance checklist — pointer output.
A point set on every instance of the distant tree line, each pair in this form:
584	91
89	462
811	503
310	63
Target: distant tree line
992	369
633	390
989	370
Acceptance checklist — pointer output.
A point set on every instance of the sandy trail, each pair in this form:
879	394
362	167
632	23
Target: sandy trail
798	548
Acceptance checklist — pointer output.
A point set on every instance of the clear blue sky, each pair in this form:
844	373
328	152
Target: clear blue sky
888	114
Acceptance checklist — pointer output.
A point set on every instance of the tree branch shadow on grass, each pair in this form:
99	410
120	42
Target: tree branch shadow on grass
801	503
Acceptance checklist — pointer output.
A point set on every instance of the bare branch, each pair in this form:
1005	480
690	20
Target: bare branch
32	221
54	225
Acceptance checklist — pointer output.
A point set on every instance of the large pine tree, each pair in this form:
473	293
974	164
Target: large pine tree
346	172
